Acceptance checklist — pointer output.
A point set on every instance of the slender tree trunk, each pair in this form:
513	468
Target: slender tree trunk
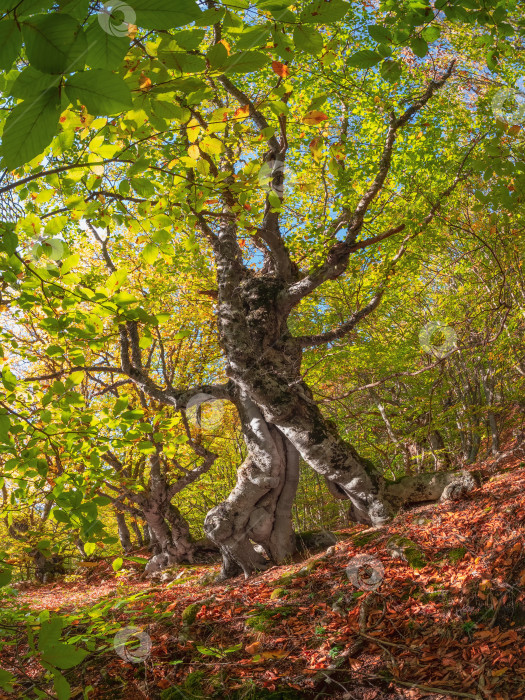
79	544
440	452
138	534
259	509
146	535
123	531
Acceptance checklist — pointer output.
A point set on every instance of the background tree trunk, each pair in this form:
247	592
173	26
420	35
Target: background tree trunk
123	531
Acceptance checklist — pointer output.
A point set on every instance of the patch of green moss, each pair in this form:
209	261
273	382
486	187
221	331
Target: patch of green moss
278	593
265	618
456	554
363	538
410	550
285	579
189	614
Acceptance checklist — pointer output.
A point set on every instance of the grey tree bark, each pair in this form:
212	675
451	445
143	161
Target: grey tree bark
259	509
123	531
137	532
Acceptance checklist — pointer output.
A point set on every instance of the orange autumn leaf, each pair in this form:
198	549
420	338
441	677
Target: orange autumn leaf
281	69
314	117
241	112
226	45
144	82
253	648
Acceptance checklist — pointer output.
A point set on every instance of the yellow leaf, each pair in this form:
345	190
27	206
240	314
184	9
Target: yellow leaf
193	129
193	152
500	672
274	654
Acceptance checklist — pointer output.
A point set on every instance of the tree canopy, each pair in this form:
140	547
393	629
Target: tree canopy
255	255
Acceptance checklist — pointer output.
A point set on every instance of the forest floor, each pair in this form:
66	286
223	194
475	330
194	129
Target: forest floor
440	614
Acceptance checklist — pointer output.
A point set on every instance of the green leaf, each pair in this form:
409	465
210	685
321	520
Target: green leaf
165	14
431	33
391	70
61	516
381	34
366	58
252	37
62	687
246	62
117	564
8	379
69	264
419	47
308	39
63	655
50	633
321	12
31	83
29	129
55	43
5	424
6	574
217	56
183	62
104	50
6	680
89	548
189	39
10	43
100	91
150	253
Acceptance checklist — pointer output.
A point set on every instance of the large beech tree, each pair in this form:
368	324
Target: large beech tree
271	149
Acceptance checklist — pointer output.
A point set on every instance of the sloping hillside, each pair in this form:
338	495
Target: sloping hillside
438	612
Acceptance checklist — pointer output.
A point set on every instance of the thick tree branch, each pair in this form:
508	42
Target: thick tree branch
337	257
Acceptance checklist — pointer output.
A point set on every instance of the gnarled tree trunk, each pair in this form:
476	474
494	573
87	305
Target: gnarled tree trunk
259	509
